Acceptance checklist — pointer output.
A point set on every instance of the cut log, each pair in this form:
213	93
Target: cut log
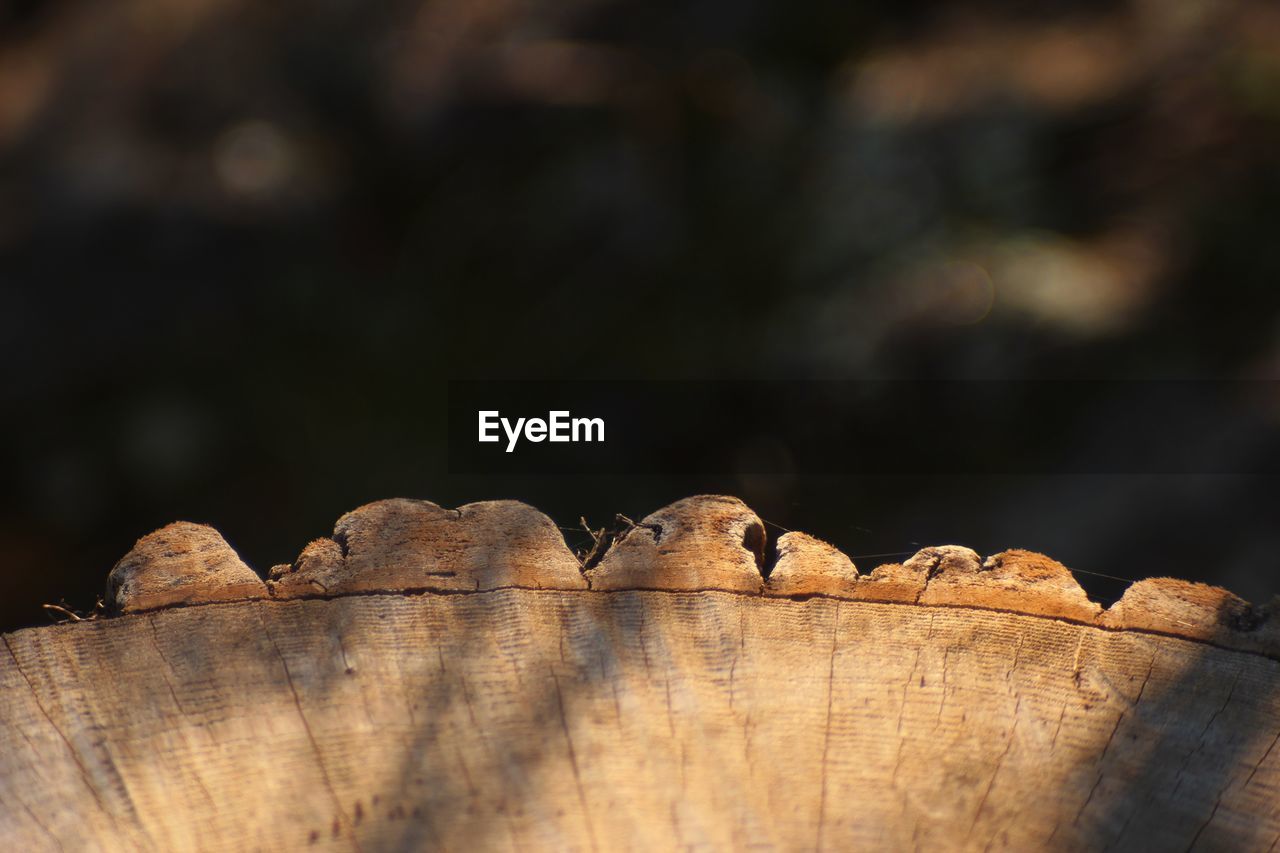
441	679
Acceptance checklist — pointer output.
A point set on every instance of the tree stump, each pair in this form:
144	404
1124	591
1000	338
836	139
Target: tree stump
457	679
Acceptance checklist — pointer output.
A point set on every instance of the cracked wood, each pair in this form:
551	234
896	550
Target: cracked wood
456	678
630	720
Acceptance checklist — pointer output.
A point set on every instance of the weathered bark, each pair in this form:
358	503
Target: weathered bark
435	678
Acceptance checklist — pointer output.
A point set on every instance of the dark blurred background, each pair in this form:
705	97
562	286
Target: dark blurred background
244	246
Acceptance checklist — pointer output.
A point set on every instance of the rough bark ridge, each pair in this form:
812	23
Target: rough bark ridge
452	678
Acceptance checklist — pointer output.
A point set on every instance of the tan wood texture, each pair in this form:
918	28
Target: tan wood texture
478	702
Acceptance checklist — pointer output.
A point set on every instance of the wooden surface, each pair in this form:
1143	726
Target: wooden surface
480	701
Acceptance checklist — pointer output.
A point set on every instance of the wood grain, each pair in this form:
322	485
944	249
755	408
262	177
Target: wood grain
529	716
